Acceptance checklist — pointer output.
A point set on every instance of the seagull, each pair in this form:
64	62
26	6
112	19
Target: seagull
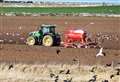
93	79
10	67
100	53
105	81
68	71
61	71
58	51
52	75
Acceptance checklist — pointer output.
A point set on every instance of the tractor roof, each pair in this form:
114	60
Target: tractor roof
48	25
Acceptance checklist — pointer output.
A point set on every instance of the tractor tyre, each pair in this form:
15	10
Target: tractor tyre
47	40
57	41
31	41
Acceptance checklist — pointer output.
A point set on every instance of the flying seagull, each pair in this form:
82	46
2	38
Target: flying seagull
100	53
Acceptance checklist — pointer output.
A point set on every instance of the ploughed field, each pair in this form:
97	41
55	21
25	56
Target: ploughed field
15	29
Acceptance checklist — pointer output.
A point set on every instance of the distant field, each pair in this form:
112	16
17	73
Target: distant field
100	9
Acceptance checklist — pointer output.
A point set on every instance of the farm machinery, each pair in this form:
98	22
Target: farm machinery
45	35
73	38
78	38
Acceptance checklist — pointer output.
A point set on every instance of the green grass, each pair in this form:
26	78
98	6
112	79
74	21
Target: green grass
100	9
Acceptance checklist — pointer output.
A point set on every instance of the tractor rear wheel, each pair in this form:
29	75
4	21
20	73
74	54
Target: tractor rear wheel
47	40
31	40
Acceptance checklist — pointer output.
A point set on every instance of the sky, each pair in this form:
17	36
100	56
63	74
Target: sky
86	0
107	1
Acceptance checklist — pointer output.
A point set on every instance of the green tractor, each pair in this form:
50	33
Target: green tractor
45	36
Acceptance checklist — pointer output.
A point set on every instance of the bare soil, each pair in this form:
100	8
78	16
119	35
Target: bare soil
14	30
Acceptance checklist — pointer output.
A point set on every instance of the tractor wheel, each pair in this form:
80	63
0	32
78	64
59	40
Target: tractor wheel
31	40
57	41
47	40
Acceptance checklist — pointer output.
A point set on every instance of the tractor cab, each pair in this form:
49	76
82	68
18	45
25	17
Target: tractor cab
45	29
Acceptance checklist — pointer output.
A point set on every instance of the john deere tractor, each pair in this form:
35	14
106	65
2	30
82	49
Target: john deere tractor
45	36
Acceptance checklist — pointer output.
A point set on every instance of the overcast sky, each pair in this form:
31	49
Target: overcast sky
109	1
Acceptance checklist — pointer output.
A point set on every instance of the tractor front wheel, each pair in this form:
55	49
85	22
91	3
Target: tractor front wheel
47	40
30	40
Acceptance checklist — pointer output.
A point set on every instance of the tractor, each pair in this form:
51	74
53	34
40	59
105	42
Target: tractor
45	36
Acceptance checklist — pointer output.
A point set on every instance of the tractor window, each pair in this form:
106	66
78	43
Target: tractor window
45	30
52	30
